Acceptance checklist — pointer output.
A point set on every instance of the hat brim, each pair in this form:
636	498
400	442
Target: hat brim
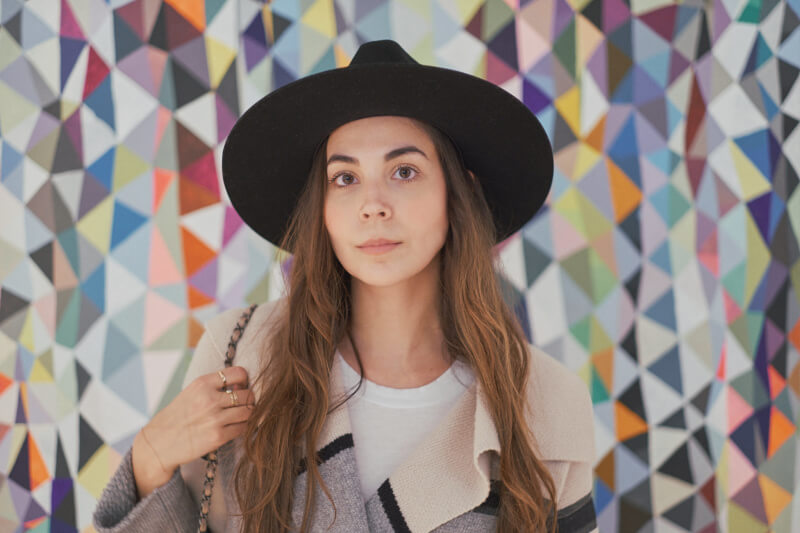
267	156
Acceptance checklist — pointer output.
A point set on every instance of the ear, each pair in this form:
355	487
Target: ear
472	175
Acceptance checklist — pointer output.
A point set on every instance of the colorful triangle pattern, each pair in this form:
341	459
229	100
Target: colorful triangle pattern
664	268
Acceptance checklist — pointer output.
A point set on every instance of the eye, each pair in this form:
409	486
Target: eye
406	173
342	183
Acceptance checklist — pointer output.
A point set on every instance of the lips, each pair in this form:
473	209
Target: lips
377	242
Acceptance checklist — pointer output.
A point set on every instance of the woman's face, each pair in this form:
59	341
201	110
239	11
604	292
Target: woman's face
385	182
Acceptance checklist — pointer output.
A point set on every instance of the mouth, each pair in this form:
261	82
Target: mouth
378	247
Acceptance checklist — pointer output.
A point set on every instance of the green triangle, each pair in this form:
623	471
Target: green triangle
599	392
780	467
749	386
740	521
212	8
176	381
564	48
260	291
581	330
734	283
496	15
67	329
751	12
166	93
167	152
603	279
174	337
577	266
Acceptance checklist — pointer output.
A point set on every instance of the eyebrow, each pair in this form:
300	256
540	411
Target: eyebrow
397	152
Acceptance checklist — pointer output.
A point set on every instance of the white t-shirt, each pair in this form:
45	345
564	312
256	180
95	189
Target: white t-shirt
388	423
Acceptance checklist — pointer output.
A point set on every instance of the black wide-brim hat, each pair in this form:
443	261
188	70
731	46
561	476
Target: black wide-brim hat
267	157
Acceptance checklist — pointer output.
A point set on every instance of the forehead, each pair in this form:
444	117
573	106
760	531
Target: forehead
377	133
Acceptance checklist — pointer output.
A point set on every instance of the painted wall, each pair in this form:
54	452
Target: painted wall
664	269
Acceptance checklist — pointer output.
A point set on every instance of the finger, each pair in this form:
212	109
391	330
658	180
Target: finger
234	415
231	431
234	375
235	398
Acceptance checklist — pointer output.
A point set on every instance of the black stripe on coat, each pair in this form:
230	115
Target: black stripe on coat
578	517
328	451
392	509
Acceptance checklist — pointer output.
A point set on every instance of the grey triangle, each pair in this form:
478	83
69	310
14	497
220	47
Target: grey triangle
167	153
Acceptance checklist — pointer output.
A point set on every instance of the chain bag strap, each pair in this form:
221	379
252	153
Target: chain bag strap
211	457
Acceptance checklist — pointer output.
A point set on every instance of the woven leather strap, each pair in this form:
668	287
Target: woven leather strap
211	457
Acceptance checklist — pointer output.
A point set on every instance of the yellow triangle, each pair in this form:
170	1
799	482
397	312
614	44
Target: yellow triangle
26	335
757	258
127	167
320	16
342	59
68	108
94	474
751	181
219	59
15	108
569	106
585	159
95	226
39	373
423	7
467	9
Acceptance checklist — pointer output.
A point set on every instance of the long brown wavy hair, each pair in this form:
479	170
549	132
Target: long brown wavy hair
478	327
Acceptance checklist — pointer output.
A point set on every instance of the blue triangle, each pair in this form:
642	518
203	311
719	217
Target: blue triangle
102	103
103	168
128	383
657	67
376	24
125	222
118	349
668	369
289	9
663	311
756	147
125	39
326	62
94	287
10	160
133	252
661	257
287	50
33	30
70	50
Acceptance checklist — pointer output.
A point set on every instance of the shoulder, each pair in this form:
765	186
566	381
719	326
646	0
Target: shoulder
561	415
209	355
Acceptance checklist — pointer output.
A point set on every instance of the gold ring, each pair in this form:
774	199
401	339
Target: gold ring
232	396
224	379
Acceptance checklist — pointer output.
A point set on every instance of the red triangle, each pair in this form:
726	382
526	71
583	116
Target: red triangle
96	72
132	14
203	172
497	70
661	21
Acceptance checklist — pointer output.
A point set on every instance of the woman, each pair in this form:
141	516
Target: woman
399	392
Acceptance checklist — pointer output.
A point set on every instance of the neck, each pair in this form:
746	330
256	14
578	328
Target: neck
397	332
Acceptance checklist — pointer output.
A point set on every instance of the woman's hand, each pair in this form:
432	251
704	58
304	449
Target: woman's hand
200	419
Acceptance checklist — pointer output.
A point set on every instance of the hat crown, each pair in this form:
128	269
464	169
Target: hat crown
381	52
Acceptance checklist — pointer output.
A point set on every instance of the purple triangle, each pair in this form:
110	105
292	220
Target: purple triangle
205	279
192	55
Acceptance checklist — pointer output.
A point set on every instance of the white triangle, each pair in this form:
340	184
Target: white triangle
717	412
12	210
463	52
691	308
668	491
652	340
593	103
97	136
200	117
17	130
231	272
735	113
737	360
408	24
694	374
35	177
47	11
133	103
732	49
223	27
159	368
625	372
660	400
42	57
663	443
546	307
108	414
511	263
127	287
68	431
206	224
69	185
90	349
101	36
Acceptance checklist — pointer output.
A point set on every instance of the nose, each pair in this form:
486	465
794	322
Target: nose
374	206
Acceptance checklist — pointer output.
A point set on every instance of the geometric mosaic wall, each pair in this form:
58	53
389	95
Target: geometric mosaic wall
664	268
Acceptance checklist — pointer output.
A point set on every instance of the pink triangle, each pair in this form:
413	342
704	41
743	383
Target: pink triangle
738	409
740	470
662	21
615	12
225	118
531	46
203	172
497	70
157	59
568	240
751	499
231	225
46	308
162	269
160	315
162	120
69	26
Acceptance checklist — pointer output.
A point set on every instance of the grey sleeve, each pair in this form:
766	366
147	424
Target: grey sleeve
168	508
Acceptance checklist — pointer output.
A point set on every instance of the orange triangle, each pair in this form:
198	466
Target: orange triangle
776	498
603	361
162	179
196	329
780	430
628	423
194	196
776	382
605	470
37	468
192	10
595	137
5	382
625	195
721	365
794	335
198	298
195	253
